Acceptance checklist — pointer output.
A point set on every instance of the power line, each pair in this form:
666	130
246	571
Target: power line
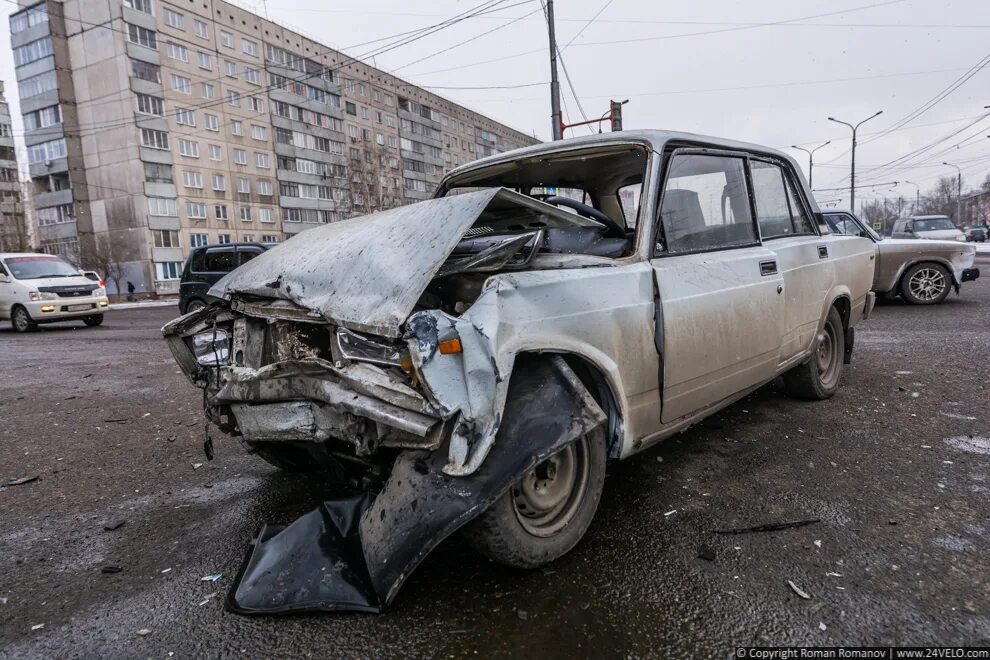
585	26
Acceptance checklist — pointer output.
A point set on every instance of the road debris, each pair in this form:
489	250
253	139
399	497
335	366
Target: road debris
111	526
211	578
768	527
109	570
196	466
21	480
117	420
209	598
144	632
167	570
831	574
798	590
522	614
706	553
670	513
822	626
37	626
818	543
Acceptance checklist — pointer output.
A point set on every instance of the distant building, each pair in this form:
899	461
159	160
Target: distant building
15	235
153	127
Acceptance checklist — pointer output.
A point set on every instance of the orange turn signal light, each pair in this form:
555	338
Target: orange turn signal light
449	346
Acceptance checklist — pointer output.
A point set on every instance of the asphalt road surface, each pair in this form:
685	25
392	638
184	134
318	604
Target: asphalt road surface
896	466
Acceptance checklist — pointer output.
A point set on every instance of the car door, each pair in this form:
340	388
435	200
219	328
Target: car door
802	255
6	292
719	288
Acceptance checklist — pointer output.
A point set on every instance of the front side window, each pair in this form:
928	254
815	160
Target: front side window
705	204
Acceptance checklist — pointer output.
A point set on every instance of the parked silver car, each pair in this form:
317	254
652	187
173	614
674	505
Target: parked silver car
921	271
481	355
934	227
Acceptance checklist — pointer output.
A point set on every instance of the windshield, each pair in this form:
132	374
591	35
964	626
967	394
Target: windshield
933	224
36	268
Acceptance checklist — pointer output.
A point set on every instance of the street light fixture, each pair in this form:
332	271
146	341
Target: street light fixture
811	158
958	191
917	195
852	170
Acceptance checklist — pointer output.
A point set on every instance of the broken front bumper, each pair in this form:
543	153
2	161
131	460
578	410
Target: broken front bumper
969	274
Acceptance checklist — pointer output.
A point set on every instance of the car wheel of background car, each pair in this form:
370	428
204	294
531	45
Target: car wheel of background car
94	320
21	320
925	284
818	378
545	514
194	305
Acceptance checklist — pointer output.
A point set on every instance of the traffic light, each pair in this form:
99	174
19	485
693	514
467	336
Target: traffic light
616	115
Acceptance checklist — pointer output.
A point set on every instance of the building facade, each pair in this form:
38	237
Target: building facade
155	126
15	234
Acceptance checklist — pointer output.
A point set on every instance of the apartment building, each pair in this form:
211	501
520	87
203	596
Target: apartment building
14	231
155	126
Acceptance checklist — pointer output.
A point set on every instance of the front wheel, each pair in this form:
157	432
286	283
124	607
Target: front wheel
818	378
94	320
925	284
194	305
21	320
546	512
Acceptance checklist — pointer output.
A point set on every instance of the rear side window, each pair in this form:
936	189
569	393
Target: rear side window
220	262
778	207
248	255
705	204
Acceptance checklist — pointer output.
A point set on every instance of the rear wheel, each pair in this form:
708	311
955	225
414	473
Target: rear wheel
21	320
194	305
94	320
545	513
925	284
818	378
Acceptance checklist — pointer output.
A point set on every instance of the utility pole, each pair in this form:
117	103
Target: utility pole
811	158
917	196
958	217
852	169
558	122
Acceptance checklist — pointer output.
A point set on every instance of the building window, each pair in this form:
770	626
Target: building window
262	160
220	211
185	117
181	84
350	108
249	47
209	91
198	240
223	239
162	206
146	71
252	76
29	18
177	52
192	179
196	210
240	157
380	139
202	29
212	122
352	130
189	148
233	98
256	104
362	89
230	68
392	142
258	132
205	61
143	6
246	213
166	238
157	173
219	183
364	112
154	139
268	238
236	128
168	270
56	215
244	186
227	39
265	188
248	238
173	18
216	153
142	36
150	105
33	51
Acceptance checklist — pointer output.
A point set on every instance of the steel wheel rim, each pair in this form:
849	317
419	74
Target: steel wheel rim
827	356
548	497
927	284
21	320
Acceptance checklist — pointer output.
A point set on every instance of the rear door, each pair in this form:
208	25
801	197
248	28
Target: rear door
719	289
802	255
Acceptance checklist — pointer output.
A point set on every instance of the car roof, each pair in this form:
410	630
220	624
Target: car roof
924	217
230	245
656	139
4	255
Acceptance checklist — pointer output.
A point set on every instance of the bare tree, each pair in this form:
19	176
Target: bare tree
100	258
985	186
941	200
369	178
882	211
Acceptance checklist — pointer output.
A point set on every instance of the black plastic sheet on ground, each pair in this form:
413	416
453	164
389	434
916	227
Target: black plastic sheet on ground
354	554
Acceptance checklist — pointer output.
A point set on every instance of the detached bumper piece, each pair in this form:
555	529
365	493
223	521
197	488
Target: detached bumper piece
354	554
970	274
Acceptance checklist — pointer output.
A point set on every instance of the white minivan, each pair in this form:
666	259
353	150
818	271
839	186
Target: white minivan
42	288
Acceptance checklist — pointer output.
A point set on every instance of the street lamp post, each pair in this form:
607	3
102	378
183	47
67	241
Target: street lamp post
811	158
958	192
852	169
917	196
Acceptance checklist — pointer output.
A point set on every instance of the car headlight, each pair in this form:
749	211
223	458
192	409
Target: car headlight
42	295
211	348
961	238
100	292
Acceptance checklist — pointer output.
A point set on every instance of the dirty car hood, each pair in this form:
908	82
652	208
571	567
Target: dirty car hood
365	273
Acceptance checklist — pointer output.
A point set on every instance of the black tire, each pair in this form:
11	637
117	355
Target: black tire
194	304
515	534
818	378
286	457
925	284
94	320
21	321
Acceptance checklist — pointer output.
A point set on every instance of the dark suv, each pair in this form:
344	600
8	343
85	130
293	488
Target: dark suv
206	265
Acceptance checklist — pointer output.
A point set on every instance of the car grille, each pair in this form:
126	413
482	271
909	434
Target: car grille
75	291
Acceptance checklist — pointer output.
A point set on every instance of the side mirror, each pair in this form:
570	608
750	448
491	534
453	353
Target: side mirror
908	230
4	278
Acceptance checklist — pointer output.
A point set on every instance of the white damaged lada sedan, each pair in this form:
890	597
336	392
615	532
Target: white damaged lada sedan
476	359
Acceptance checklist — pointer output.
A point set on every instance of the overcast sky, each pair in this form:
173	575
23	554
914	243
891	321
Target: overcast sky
712	66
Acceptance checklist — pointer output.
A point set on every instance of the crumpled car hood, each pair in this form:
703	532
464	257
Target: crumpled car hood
365	273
